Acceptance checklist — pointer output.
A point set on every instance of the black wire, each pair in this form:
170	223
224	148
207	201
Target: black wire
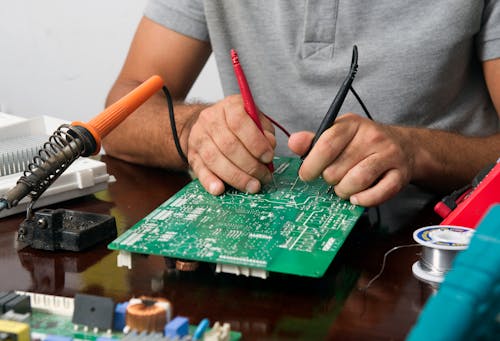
170	105
361	103
184	158
378	218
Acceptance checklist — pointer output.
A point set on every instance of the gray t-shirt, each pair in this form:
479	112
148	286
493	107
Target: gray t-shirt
419	61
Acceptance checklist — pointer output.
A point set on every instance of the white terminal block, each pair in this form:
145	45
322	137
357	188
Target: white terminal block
20	139
218	332
241	270
57	305
124	259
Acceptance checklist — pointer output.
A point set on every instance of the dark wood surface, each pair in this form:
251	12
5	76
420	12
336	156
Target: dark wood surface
281	307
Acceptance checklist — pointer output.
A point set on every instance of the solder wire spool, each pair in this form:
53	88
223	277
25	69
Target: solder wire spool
440	245
148	314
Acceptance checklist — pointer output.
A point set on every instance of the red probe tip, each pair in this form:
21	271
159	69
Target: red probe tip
234	57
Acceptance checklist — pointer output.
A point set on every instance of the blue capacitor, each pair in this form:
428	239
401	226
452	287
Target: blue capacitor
119	318
200	330
178	327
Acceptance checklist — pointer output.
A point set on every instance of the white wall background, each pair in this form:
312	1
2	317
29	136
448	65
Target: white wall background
60	57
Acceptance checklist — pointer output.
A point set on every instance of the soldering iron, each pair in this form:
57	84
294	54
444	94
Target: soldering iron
72	141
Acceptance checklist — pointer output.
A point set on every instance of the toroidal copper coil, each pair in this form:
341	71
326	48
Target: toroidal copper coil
148	314
184	265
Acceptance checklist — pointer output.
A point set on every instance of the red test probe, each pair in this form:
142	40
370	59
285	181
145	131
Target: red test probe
246	94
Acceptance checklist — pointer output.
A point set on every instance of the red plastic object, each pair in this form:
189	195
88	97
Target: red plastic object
442	209
246	94
469	212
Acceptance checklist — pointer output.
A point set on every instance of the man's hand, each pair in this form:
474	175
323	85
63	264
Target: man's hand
225	146
367	162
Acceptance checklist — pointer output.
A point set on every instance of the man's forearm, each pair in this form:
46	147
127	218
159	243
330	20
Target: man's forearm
444	160
145	137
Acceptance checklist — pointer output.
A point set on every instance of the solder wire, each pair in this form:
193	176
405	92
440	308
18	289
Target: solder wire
436	261
432	260
440	245
384	261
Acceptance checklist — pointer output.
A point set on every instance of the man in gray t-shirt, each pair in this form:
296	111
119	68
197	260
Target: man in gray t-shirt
429	73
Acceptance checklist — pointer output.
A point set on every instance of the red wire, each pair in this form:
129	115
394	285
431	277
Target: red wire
277	125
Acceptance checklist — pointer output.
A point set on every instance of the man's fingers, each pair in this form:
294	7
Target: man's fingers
246	130
232	149
208	180
271	138
388	186
299	142
357	177
364	160
329	147
225	170
226	146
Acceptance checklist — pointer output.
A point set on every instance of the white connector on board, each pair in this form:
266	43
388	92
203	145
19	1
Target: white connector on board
57	305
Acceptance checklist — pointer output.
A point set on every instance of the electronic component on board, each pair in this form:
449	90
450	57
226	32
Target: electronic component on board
13	316
148	314
200	329
119	321
177	328
4	298
185	265
20	304
57	305
218	332
64	318
93	312
14	331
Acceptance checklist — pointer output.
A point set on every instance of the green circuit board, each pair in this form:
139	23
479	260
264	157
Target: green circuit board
290	227
43	324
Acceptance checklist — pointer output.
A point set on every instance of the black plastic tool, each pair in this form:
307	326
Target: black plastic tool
63	229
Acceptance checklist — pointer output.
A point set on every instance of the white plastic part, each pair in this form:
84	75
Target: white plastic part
218	332
21	138
425	276
241	270
124	258
57	305
7	119
444	237
168	309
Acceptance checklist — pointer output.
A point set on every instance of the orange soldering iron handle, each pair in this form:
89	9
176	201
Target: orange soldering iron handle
112	116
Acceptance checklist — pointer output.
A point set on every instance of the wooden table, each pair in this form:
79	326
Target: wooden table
280	307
